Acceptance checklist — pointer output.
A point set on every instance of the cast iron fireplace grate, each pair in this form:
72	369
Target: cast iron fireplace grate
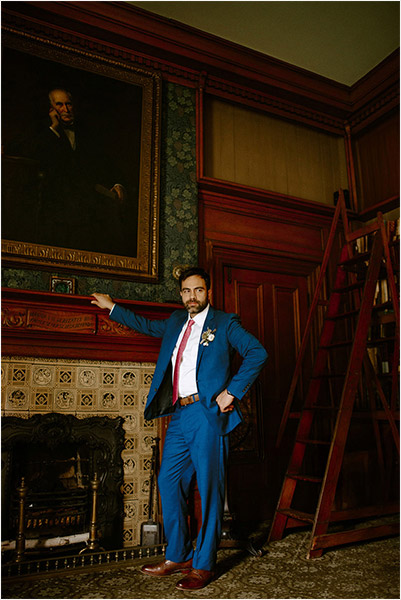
58	455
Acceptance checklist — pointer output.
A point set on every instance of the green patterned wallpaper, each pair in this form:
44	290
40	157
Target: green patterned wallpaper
178	212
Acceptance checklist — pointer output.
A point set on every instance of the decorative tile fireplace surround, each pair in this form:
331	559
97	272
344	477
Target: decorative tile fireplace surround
37	379
82	388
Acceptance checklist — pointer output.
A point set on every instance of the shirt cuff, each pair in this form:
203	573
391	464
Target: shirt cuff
55	132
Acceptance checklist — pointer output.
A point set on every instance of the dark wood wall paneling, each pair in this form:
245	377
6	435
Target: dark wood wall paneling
217	67
264	253
199	59
263	249
377	156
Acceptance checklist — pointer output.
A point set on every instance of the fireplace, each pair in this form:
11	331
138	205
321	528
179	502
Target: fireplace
53	362
57	456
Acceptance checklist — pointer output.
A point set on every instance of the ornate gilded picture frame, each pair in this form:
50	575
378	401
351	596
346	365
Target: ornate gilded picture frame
81	195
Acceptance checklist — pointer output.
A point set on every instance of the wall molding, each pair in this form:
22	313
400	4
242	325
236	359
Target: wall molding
374	110
189	56
225	192
237	221
128	35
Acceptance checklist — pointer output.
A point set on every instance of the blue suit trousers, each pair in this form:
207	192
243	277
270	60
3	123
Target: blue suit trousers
192	446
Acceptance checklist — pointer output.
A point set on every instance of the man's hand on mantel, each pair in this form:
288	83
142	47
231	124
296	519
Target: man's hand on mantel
103	301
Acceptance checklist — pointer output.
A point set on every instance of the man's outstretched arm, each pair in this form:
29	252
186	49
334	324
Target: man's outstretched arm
127	317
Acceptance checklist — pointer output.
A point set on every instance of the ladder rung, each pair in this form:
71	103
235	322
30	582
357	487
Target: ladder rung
337	344
348	288
344	315
309	478
329	376
321	407
375	341
357	270
316	442
383	306
358	233
360	257
297	514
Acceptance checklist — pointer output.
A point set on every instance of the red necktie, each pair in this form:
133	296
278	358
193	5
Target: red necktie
179	359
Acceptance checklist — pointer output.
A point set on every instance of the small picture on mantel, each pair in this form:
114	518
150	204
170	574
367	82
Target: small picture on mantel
62	285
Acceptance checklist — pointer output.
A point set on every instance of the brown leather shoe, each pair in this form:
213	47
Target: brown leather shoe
166	568
195	580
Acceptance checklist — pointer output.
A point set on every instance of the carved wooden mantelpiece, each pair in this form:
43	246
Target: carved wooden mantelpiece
65	326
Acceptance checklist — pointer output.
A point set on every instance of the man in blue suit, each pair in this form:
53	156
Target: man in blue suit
193	383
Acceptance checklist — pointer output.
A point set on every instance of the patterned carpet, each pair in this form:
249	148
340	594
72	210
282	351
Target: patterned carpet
365	570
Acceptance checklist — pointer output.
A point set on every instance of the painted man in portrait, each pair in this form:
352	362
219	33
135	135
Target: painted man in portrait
79	187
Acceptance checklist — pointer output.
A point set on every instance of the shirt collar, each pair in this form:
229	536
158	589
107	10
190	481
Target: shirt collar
200	318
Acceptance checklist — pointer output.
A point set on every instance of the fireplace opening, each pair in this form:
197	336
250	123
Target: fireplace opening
57	456
58	499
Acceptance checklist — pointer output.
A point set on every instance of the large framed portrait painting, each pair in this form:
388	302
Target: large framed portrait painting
80	160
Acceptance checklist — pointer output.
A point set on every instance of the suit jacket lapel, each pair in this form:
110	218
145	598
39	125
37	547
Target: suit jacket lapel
208	324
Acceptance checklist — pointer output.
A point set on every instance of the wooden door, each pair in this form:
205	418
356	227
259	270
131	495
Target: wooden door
272	306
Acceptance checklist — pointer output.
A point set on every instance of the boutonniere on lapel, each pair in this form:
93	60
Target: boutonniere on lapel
207	337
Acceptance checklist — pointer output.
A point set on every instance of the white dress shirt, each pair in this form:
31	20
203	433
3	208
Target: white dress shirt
70	133
187	375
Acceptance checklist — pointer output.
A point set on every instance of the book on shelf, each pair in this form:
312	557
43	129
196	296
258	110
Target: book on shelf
384	290
372	352
381	292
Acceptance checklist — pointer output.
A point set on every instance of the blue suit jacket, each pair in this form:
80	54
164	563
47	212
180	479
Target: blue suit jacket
213	364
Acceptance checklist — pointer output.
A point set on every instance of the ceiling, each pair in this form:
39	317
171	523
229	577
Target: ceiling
339	40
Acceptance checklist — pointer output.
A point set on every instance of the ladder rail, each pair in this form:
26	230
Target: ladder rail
336	453
375	423
390	271
305	423
340	210
394	379
389	414
349	237
358	361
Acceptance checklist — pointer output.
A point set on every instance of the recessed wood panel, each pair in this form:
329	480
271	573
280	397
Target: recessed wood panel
287	336
263	230
247	296
252	148
273	307
378	162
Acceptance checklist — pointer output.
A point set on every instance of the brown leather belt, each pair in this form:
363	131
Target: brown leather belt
188	400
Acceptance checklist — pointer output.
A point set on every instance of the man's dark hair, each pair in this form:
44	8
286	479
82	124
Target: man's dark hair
195	271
